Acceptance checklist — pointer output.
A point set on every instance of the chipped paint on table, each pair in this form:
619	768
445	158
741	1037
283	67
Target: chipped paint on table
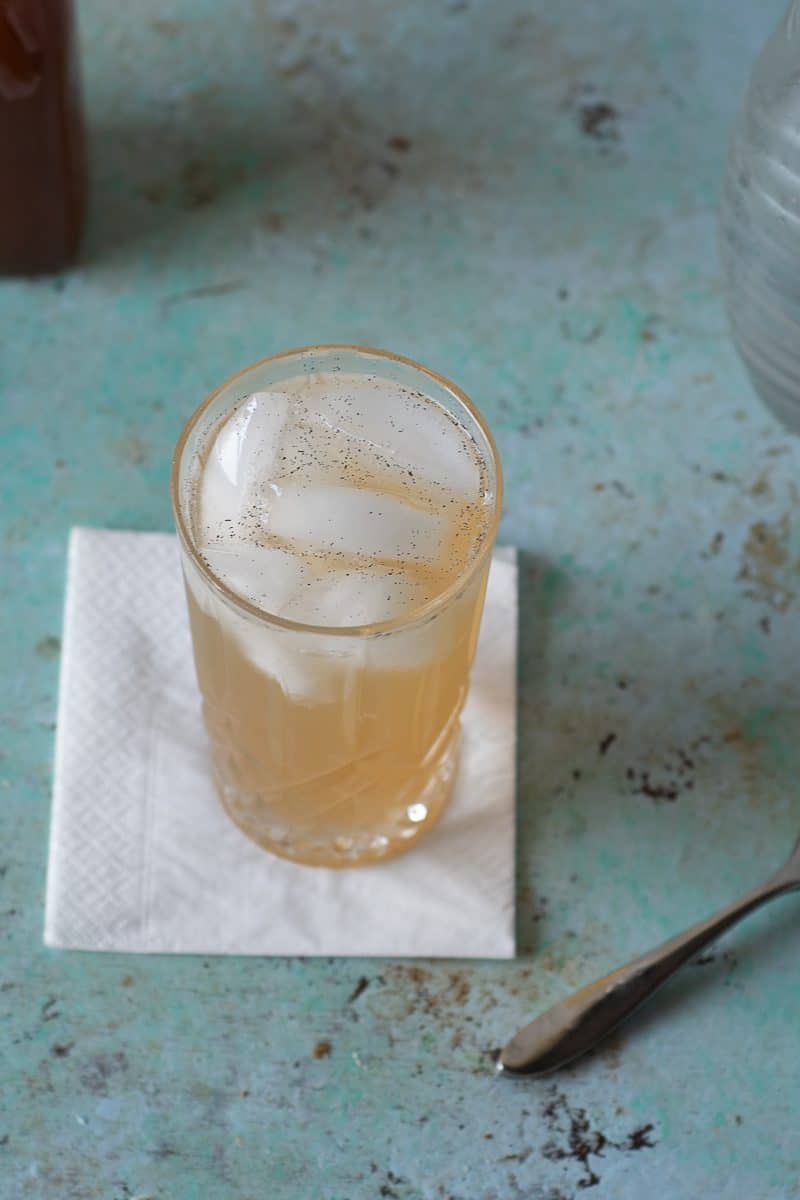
522	196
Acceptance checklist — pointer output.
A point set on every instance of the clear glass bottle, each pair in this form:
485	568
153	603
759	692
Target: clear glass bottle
760	224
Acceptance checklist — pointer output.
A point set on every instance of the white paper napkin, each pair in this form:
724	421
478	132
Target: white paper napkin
142	856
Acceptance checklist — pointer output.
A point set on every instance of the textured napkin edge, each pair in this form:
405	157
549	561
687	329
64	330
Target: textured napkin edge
59	750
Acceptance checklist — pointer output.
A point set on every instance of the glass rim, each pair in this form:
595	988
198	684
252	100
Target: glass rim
418	615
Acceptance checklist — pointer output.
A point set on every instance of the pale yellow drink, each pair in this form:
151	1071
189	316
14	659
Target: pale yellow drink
336	510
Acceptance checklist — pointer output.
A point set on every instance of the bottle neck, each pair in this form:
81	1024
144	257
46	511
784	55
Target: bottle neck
792	18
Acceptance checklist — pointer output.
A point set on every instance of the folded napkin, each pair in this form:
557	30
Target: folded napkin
143	857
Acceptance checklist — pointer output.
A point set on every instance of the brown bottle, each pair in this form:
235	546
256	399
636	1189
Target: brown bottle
42	154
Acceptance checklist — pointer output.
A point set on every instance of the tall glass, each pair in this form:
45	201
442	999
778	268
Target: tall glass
332	746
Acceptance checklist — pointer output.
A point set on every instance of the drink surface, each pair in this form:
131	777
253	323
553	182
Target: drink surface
339	500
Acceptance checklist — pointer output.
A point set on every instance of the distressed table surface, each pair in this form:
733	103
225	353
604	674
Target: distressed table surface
521	195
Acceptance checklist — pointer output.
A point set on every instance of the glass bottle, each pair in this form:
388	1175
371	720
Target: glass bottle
42	154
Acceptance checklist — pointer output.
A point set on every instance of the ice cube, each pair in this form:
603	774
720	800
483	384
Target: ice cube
329	517
244	453
264	575
309	667
355	597
406	429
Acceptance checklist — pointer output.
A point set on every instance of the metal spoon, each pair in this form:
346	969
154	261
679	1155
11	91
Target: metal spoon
576	1024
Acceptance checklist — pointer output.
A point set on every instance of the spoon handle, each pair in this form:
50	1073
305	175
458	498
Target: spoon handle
575	1024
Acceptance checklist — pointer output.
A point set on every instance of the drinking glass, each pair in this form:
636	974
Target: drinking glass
332	746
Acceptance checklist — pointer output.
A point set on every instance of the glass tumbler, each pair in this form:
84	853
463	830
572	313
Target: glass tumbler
332	746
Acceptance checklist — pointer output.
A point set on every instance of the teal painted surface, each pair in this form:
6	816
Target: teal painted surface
252	191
